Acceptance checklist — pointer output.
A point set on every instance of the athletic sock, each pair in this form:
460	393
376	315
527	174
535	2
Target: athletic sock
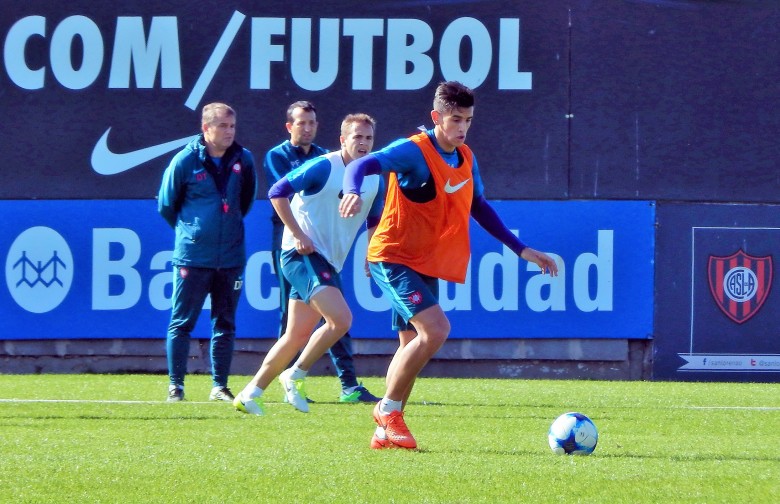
297	373
387	406
252	392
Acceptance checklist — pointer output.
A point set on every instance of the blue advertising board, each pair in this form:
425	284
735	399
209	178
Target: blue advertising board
101	269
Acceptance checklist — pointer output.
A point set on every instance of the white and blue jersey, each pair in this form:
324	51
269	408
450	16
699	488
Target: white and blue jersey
315	205
278	162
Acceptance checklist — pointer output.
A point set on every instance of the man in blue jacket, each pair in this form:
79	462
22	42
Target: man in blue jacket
206	191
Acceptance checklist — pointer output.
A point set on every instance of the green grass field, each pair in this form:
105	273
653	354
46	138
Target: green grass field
112	438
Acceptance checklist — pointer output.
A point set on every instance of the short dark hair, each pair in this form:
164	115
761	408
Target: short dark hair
307	106
451	95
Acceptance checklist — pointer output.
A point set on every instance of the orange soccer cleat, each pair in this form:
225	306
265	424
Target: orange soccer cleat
392	431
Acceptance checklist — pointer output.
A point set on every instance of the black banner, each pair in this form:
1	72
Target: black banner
668	100
717	308
673	100
100	95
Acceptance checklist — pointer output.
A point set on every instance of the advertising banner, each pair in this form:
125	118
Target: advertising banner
104	92
101	269
718	309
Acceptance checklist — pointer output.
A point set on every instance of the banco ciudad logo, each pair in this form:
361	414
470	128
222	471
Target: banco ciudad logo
39	269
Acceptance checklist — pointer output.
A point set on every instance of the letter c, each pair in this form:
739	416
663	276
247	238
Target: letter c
13	52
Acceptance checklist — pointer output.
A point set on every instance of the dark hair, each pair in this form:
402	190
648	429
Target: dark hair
451	95
307	106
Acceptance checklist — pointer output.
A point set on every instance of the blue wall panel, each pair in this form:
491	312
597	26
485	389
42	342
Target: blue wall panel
99	269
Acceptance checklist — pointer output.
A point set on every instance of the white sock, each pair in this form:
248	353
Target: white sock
297	373
387	406
252	392
349	390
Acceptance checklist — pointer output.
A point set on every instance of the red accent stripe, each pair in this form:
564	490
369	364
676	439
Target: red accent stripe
732	303
747	305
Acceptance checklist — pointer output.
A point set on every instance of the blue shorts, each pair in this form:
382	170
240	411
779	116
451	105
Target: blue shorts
308	274
409	292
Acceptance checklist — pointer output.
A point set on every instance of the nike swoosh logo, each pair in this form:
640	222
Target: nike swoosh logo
106	162
451	189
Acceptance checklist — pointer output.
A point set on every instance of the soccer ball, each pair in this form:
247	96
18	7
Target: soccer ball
573	434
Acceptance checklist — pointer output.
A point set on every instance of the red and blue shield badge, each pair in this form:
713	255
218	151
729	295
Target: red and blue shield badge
740	283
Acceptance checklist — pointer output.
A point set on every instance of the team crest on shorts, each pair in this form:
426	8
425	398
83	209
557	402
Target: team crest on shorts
740	283
183	272
325	275
415	297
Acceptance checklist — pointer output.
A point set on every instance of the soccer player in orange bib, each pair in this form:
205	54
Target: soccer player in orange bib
434	187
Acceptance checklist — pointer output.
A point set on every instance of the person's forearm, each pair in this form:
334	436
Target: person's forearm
490	221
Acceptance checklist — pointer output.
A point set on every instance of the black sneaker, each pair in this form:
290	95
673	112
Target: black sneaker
359	394
221	394
175	393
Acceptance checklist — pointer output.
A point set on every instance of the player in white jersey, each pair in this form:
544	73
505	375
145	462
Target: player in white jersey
331	236
315	244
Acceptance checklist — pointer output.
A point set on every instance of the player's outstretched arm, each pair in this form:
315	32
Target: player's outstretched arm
487	217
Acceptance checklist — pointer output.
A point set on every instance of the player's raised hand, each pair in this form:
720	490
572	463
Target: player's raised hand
546	263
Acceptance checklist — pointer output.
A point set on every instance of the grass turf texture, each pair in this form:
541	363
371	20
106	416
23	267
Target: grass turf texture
480	441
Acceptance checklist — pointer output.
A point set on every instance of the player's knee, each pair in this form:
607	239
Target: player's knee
340	322
439	327
295	339
435	333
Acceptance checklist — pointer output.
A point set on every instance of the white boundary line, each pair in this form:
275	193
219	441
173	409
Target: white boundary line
755	408
98	401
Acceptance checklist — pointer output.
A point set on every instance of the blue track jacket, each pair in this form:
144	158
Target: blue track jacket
206	205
